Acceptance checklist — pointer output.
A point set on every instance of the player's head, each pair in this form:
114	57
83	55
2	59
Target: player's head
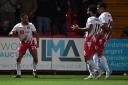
24	18
92	10
101	7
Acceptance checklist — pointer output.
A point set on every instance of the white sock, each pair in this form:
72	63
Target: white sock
34	66
105	64
90	69
96	60
18	69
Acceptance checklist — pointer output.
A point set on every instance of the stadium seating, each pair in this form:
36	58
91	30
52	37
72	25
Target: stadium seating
119	11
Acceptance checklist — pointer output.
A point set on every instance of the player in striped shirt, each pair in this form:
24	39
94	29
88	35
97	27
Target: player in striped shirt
25	31
105	33
93	26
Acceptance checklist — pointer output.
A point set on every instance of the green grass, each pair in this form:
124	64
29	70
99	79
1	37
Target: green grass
61	80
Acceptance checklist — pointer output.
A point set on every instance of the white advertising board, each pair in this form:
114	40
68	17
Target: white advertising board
53	54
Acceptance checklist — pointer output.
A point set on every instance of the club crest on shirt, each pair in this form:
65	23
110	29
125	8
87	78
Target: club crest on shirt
28	27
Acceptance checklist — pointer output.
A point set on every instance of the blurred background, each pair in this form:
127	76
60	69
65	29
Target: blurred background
54	17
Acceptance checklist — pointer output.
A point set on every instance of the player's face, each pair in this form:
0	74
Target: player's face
25	19
88	12
99	9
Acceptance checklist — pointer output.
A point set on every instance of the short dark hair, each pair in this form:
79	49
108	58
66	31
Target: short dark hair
93	8
102	4
22	15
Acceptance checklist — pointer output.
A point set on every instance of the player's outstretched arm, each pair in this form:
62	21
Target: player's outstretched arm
76	27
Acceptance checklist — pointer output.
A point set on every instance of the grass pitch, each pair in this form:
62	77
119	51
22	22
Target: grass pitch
61	80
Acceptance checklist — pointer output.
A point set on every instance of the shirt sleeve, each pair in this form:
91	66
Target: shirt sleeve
14	28
89	22
103	19
33	28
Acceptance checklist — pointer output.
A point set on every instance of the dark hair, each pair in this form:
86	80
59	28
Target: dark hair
22	15
93	8
102	4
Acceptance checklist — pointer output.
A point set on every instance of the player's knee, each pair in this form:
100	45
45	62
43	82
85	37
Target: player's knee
99	54
86	58
35	60
18	59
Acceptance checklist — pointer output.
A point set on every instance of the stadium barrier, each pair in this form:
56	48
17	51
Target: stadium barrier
62	54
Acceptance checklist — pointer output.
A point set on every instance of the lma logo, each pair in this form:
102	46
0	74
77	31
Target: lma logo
62	47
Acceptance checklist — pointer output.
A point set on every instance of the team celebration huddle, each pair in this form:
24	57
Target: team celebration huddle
97	32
